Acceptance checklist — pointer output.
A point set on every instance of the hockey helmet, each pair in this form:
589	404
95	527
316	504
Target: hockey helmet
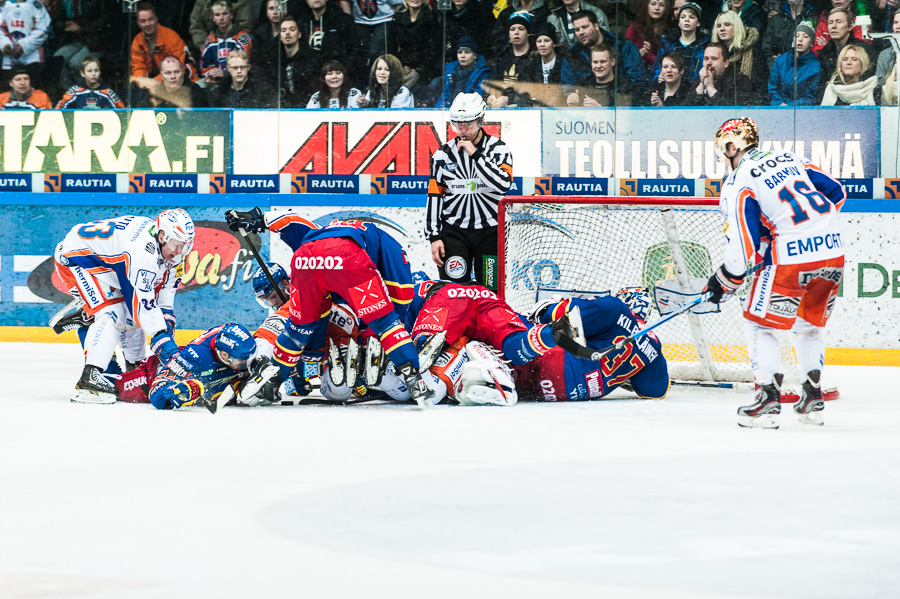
176	227
265	293
234	345
466	108
742	132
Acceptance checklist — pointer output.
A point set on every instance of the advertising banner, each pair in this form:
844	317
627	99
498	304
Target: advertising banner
356	142
678	143
216	282
114	141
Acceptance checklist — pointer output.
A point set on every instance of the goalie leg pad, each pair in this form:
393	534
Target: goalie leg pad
486	380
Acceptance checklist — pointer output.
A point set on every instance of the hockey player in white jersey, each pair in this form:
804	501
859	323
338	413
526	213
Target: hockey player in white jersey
785	208
125	270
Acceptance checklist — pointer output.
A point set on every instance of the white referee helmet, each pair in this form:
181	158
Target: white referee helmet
467	107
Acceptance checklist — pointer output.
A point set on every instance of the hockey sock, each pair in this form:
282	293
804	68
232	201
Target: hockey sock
524	346
395	340
810	345
100	340
764	350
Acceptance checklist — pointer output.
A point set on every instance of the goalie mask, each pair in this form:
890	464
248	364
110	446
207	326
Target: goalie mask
234	345
741	132
265	293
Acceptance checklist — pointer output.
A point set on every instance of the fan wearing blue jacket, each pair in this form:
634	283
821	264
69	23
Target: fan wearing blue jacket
464	75
807	74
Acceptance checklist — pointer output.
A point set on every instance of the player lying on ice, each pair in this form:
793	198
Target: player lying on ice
356	261
123	272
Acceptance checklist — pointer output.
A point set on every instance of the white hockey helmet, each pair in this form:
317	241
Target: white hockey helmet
742	132
467	107
176	225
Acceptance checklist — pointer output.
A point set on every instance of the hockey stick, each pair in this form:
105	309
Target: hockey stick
581	351
259	259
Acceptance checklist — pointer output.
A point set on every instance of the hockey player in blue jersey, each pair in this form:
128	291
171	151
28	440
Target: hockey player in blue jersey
357	261
561	376
203	368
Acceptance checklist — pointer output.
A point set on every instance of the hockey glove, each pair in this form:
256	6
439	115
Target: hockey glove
722	285
418	389
164	346
185	393
251	222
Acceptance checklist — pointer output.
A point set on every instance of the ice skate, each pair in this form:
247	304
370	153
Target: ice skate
93	387
374	363
336	363
763	413
810	408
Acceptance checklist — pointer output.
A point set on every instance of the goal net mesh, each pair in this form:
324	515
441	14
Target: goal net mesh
595	246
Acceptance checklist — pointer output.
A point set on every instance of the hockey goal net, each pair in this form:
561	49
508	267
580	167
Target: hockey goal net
597	245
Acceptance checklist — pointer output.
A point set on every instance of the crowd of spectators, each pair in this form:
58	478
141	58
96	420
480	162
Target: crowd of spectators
360	54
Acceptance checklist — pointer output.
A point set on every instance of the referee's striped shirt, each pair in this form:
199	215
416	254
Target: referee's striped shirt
464	190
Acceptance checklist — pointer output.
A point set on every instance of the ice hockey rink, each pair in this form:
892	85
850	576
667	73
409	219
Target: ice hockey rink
664	499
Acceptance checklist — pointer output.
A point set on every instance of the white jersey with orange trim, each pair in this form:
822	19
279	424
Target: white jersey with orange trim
781	199
121	258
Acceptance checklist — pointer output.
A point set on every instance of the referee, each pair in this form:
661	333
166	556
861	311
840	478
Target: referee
469	176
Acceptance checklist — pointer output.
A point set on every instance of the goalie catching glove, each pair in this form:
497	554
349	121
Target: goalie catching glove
722	285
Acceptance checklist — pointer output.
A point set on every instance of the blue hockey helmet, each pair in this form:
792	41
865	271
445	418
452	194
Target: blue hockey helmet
234	346
264	291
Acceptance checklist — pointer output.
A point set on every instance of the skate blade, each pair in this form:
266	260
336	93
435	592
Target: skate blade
94	397
769	421
816	418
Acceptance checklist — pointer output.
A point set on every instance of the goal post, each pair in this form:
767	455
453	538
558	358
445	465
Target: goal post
593	246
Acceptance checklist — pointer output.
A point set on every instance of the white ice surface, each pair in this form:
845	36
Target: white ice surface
621	499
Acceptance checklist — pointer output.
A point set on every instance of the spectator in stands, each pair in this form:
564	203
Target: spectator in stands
848	85
511	63
335	90
672	30
781	27
227	36
823	29
648	27
890	92
293	71
81	29
798	70
743	45
466	17
751	13
90	91
373	18
151	45
464	75
202	18
887	58
266	36
385	87
239	89
589	34
21	95
173	90
672	89
689	41
563	19
24	27
719	83
839	20
500	32
330	34
546	62
415	39
602	87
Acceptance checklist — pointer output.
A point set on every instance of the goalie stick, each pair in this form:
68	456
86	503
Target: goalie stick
259	259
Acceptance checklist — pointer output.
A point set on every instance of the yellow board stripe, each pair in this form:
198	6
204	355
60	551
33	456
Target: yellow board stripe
842	356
